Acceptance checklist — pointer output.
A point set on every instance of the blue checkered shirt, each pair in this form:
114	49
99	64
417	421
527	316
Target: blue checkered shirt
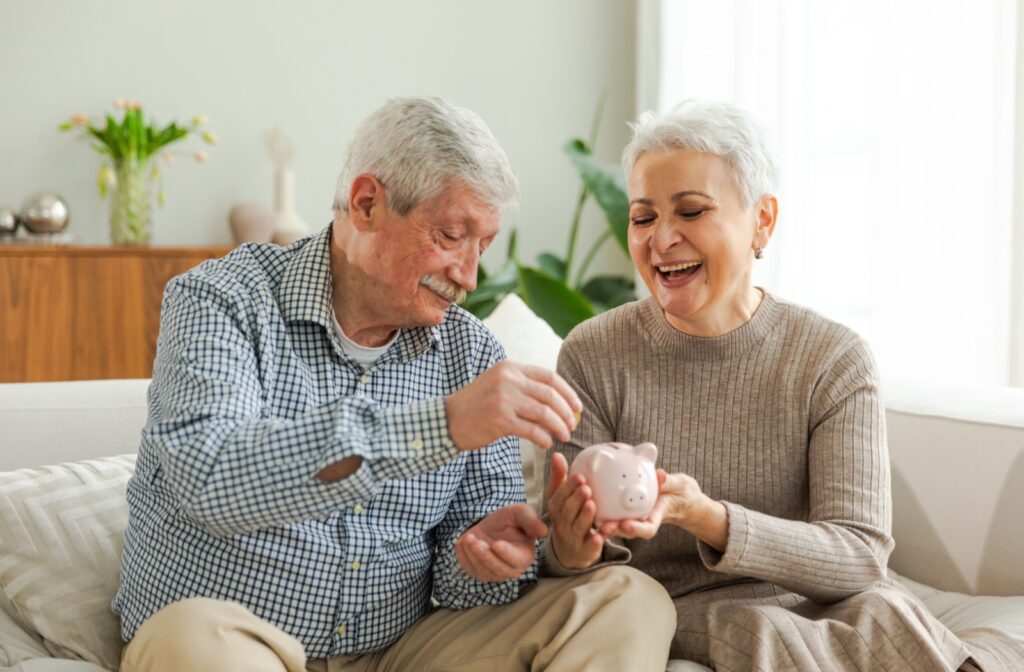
251	397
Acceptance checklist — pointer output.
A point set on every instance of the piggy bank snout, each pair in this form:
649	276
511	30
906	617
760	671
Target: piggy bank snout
636	498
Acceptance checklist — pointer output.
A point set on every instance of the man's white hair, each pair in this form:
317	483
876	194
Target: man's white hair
717	128
418	147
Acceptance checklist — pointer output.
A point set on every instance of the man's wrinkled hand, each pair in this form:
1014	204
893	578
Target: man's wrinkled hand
512	399
502	545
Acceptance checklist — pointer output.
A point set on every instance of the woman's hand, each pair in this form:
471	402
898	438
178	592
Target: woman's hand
572	510
681	502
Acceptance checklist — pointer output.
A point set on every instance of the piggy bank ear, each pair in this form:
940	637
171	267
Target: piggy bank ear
601	458
647	451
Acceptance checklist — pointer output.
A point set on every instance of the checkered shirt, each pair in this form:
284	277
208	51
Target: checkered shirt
251	397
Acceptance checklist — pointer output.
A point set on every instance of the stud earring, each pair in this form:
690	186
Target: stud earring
758	252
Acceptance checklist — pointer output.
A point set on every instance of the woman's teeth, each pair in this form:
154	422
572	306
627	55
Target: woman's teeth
675	270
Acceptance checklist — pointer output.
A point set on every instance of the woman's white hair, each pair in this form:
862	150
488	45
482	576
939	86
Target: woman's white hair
417	147
717	128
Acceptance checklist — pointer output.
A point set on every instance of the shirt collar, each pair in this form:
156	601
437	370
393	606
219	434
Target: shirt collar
305	292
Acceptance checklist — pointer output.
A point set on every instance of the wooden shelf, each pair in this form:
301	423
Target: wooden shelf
72	312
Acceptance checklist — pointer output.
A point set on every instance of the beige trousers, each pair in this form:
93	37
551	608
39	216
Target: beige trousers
614	618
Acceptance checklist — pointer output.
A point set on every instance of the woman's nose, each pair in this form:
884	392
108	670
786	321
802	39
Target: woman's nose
665	236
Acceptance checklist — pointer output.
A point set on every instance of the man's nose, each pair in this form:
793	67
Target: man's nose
464	270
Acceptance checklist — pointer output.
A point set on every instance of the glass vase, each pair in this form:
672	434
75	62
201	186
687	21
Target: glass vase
131	203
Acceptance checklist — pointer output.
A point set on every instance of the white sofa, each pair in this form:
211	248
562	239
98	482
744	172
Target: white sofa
958	488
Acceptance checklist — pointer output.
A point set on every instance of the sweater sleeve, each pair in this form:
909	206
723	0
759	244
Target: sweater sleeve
844	546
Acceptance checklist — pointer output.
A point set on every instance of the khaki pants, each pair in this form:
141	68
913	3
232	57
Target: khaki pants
614	618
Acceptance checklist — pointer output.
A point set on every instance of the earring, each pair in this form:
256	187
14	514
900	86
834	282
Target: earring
758	252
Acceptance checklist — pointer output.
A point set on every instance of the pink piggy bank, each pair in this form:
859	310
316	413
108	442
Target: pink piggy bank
622	478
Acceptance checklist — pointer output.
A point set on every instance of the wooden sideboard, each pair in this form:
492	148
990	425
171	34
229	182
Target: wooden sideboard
84	313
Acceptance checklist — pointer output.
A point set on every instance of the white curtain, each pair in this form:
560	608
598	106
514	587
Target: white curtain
893	123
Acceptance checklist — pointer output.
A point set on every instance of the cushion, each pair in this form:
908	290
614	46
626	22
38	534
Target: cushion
17	644
527	339
104	416
960	612
61	534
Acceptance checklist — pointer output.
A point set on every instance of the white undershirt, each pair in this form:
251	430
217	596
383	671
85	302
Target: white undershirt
363	355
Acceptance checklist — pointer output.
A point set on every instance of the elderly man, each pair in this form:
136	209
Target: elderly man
331	443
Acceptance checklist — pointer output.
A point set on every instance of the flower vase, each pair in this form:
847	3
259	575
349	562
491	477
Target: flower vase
131	203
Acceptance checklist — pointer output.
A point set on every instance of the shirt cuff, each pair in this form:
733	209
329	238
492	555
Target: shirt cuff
412	439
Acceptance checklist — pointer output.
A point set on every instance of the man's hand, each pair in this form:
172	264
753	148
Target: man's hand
501	546
572	511
512	399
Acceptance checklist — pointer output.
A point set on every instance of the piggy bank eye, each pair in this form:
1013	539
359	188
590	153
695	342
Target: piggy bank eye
623	475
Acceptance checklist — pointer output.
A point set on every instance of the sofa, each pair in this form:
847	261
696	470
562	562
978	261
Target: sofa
958	488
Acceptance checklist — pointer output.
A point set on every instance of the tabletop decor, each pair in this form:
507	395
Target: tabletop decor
129	170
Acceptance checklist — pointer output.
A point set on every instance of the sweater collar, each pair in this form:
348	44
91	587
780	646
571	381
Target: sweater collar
666	337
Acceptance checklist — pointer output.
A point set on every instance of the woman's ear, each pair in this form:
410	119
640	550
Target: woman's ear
767	213
365	201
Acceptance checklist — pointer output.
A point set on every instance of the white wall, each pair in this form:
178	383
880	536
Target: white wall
533	69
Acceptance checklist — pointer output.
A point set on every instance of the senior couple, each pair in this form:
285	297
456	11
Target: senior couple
329	478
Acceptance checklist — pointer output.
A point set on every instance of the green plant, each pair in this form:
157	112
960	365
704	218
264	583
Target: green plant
134	141
561	297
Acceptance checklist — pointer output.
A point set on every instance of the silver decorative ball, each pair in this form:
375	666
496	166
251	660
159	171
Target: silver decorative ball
8	222
45	213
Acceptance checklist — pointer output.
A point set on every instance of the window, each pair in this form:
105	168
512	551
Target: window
893	125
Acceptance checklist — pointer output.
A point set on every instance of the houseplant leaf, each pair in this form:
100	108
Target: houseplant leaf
552	265
608	291
553	301
607	185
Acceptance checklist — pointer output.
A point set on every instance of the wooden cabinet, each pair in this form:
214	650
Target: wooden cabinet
84	313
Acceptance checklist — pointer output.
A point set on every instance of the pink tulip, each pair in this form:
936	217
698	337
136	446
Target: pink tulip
120	103
202	157
80	120
168	158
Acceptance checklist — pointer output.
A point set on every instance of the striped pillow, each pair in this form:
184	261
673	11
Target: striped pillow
61	534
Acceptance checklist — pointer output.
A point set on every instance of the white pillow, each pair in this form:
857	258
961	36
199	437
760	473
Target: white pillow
528	339
61	534
960	612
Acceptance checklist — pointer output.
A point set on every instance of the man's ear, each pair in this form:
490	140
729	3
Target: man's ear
365	201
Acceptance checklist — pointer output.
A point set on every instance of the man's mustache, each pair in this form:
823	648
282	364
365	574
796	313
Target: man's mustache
447	289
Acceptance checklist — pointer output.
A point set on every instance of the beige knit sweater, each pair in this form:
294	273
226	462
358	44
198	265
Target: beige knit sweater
780	419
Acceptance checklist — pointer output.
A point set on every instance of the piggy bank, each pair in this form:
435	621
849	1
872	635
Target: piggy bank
622	478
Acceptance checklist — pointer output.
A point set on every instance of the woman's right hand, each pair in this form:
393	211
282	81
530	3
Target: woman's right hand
572	509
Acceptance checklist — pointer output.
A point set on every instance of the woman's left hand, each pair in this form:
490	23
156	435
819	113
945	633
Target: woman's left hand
680	502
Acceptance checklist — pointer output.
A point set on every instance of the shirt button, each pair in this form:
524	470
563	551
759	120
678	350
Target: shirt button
356	564
364	379
358	508
341	630
416	444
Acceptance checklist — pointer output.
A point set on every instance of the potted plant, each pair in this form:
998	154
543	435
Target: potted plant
556	289
129	171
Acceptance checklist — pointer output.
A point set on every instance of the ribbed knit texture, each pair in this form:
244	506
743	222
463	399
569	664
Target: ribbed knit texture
780	419
735	412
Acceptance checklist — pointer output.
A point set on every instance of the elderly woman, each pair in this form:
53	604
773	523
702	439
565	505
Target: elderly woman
772	527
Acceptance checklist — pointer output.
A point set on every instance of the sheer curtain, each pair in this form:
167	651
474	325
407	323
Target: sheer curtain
893	123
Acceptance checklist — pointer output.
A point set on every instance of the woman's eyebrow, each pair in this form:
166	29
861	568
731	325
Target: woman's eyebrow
675	197
690	192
